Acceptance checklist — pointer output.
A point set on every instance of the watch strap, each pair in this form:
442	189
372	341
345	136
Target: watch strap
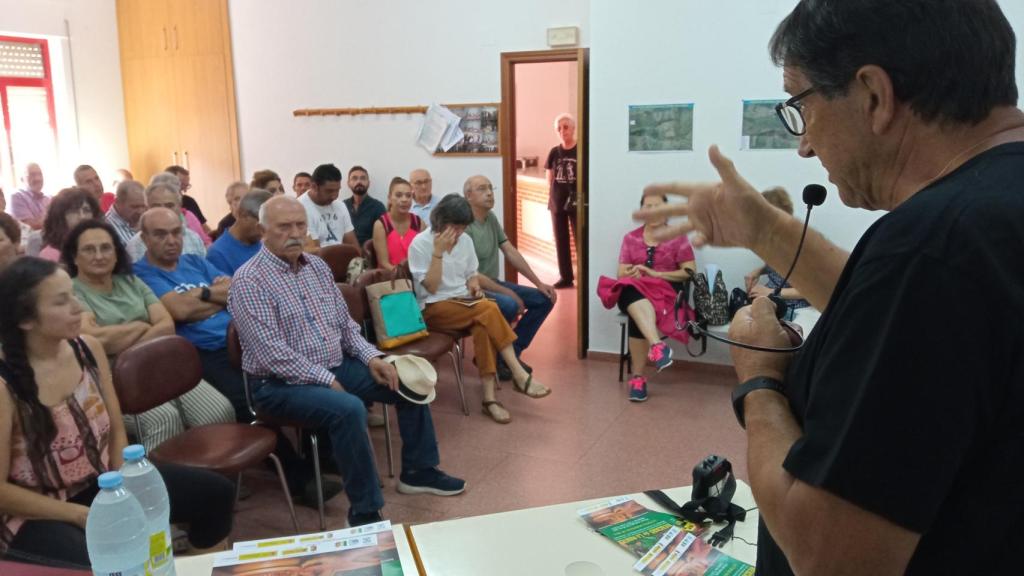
758	383
204	294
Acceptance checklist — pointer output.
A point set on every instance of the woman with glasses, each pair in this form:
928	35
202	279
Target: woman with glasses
650	274
69	207
121	311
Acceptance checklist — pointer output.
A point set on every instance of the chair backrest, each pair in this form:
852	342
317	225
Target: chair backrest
370	253
234	347
154	372
338	257
355	297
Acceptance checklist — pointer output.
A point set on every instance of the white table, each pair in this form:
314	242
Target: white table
544	541
202	565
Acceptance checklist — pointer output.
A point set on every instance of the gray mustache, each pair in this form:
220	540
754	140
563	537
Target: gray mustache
293	242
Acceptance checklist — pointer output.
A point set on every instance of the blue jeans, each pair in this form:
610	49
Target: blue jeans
343	415
538	306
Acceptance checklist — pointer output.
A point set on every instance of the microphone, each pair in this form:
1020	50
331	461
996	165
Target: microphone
814	195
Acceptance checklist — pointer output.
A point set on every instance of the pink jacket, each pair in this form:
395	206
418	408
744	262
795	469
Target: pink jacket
659	292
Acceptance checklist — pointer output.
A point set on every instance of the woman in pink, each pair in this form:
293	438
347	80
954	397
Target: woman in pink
394	231
650	273
61	427
69	207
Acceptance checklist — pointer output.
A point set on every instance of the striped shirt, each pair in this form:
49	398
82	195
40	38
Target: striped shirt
293	323
121	226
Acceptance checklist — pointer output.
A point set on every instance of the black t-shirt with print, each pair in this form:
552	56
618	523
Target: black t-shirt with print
910	389
562	195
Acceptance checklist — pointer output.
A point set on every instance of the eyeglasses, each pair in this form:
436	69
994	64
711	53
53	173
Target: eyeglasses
423	182
486	188
93	250
650	256
791	113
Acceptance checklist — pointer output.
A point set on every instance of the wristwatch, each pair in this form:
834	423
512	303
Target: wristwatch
204	295
740	393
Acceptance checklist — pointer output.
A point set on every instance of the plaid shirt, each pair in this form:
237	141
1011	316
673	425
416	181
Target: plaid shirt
294	324
124	230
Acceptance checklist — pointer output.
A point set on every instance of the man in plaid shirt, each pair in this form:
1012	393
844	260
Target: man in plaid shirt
307	361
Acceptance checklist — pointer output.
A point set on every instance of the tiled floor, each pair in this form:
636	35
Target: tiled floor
584	441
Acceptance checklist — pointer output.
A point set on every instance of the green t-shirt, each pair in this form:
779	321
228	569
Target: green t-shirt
487	239
128	301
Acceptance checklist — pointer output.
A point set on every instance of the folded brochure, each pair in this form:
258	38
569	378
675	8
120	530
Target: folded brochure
665	545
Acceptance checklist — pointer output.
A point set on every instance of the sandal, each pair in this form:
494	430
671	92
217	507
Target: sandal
496	417
526	388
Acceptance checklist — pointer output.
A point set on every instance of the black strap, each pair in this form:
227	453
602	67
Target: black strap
83	354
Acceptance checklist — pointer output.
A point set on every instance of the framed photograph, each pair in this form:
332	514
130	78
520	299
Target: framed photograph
762	129
661	128
479	124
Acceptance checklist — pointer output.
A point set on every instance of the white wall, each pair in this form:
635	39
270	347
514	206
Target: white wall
713	54
86	70
327	54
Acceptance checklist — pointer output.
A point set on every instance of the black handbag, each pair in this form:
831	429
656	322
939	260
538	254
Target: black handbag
738	299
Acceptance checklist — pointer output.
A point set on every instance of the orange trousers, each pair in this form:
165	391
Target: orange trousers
484	321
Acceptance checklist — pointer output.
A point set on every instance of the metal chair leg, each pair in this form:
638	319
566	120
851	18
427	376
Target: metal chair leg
458	379
238	489
387	439
318	479
284	487
622	348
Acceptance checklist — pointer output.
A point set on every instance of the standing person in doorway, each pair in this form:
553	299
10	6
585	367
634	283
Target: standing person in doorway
561	173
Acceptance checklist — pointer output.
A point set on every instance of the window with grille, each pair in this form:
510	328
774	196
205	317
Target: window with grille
26	97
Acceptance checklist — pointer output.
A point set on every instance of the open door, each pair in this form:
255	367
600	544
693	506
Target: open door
510	145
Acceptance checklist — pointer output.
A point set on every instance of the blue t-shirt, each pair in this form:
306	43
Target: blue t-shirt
192	272
228	254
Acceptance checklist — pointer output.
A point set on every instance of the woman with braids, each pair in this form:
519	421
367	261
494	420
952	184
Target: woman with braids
61	427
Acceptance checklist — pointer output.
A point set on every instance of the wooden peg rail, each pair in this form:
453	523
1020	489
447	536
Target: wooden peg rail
360	111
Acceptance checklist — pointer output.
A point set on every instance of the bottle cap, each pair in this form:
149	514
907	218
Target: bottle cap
110	480
134	452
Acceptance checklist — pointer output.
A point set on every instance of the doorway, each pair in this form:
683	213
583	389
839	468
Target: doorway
536	88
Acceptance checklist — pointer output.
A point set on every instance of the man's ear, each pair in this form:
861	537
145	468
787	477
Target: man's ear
878	97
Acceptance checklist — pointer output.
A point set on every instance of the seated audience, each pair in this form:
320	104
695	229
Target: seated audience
307	361
233	195
242	241
329	219
364	209
10	240
489	239
189	203
423	199
28	205
163	195
393	232
779	198
444	270
650	274
87	179
124	213
267	180
301	182
69	207
60	428
121	175
121	311
196	294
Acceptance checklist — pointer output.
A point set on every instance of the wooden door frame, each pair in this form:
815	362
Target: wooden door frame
506	122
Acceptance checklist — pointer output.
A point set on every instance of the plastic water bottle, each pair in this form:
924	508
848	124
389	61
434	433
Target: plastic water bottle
115	531
144	482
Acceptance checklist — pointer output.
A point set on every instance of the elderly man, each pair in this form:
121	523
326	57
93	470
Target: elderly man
489	239
233	195
364	209
308	362
423	200
560	168
162	195
29	204
87	179
125	212
878	448
188	202
242	241
328	217
193	222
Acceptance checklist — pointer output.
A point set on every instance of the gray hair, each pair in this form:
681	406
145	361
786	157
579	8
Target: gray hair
565	116
167	179
233	185
252	202
452	210
126	187
467	187
158	186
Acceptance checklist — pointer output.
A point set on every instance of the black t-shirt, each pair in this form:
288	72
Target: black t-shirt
370	210
189	203
910	389
562	195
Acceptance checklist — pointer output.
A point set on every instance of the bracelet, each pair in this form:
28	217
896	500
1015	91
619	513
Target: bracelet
439	257
740	393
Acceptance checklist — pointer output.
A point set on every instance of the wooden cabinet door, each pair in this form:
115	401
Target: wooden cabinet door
143	28
150	108
199	27
207	129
